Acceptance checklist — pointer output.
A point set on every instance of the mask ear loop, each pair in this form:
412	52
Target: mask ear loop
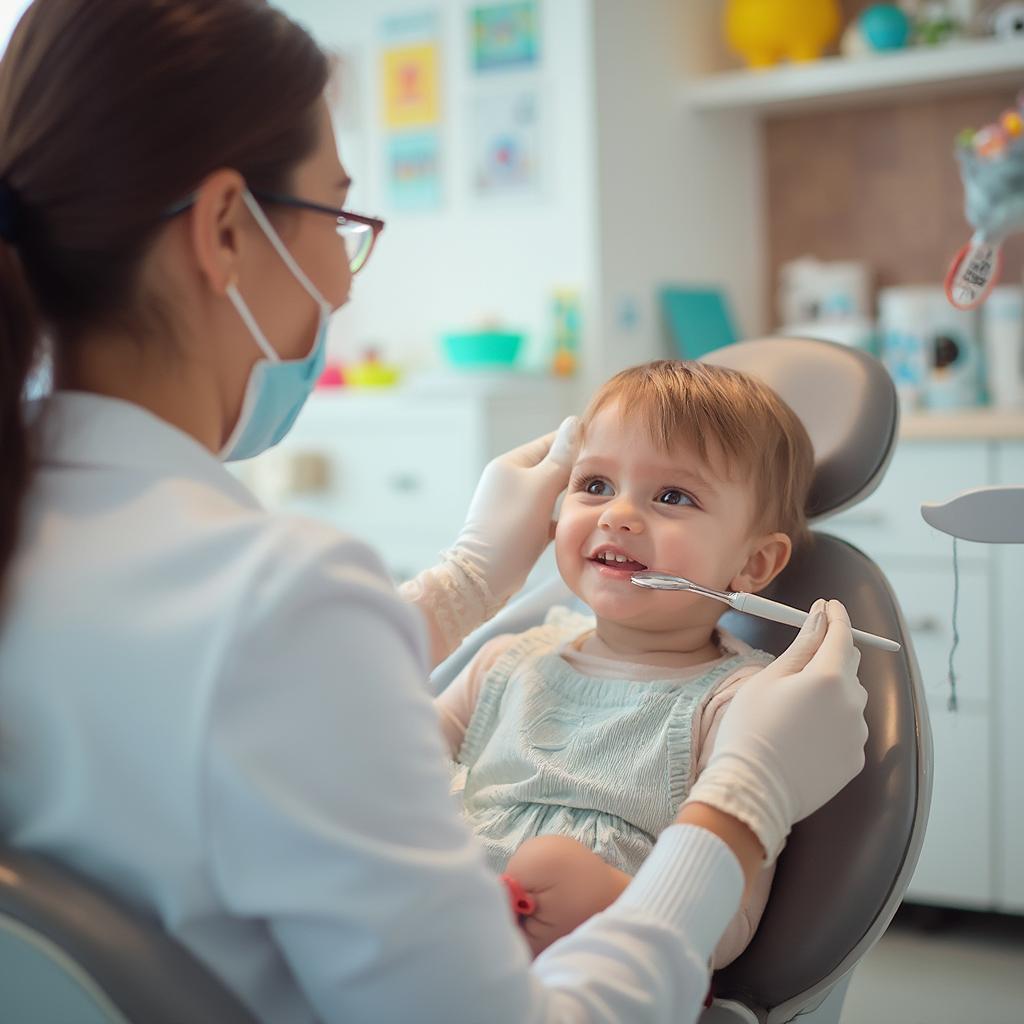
242	308
282	250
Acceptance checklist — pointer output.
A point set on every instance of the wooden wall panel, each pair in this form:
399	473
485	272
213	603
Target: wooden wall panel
878	184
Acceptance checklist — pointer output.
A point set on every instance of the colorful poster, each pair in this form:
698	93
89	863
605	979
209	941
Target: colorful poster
414	170
410	86
410	69
506	143
506	36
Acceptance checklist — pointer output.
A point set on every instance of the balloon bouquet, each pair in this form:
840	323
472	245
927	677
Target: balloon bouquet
992	168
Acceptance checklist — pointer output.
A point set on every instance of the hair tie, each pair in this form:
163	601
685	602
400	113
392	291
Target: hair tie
10	213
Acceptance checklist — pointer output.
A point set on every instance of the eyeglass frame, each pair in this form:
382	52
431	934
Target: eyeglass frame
375	224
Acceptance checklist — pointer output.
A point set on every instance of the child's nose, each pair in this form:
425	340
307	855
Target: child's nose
621	515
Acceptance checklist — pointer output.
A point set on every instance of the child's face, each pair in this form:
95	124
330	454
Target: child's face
668	511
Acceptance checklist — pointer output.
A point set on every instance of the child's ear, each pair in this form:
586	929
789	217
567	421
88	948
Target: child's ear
766	561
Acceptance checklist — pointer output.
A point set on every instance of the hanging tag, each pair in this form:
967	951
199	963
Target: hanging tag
973	273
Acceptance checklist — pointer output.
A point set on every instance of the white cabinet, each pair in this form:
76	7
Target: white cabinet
397	468
1008	701
974	842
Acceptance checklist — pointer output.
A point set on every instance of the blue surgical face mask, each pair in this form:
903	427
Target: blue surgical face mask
277	388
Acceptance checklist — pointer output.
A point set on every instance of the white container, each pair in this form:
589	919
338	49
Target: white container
929	348
812	290
1003	337
903	315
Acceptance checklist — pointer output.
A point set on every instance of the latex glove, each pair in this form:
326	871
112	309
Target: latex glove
793	736
507	528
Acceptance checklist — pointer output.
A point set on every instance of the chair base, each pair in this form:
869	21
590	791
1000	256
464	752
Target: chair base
828	1011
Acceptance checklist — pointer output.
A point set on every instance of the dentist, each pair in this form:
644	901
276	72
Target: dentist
218	713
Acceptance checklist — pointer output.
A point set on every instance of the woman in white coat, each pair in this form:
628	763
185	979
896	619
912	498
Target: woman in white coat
219	713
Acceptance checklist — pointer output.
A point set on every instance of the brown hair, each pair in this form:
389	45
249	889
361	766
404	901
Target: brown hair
111	111
711	407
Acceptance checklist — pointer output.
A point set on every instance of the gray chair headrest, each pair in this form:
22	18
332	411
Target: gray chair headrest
846	400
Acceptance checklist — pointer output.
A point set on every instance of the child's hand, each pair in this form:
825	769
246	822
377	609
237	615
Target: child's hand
568	883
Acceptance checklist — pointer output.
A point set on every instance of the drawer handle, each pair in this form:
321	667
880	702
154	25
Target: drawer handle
864	517
926	624
406	483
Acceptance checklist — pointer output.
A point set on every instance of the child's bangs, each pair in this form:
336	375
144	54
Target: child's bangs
681	405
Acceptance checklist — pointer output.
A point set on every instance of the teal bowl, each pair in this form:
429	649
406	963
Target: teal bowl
482	348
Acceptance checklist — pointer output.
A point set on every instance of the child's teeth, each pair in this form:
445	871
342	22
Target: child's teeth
620	558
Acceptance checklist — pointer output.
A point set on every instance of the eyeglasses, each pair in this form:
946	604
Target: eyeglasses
358	232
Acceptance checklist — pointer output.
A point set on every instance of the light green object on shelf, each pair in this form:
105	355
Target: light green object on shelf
697	320
472	349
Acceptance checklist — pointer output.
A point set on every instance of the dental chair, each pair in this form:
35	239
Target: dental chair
846	868
70	953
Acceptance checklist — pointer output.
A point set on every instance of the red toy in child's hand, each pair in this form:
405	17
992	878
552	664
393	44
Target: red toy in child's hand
523	904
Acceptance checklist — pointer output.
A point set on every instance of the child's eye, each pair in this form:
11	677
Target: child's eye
594	485
671	496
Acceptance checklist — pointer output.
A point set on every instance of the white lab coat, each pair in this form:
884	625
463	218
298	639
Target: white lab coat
219	713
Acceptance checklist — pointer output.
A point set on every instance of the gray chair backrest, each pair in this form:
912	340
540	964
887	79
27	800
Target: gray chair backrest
846	868
845	399
69	952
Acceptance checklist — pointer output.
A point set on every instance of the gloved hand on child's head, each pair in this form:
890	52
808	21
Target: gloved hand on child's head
507	528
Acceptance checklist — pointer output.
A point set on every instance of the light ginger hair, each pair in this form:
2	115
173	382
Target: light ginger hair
717	410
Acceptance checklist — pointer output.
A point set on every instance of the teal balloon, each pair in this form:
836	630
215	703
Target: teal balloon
885	27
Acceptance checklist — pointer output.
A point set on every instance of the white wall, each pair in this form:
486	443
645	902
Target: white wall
472	258
10	12
663	171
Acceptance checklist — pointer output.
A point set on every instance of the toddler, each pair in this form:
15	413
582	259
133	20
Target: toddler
592	729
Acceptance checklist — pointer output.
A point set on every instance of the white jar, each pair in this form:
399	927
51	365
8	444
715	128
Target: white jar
930	348
1003	334
903	314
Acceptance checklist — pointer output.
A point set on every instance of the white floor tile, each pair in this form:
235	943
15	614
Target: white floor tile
965	969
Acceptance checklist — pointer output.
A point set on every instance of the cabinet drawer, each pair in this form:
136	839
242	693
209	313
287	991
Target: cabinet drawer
1009	703
926	598
407	476
889	522
956	861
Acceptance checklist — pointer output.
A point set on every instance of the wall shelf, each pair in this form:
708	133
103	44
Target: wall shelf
834	82
985	424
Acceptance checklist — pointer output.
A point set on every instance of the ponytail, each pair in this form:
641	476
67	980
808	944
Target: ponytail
19	337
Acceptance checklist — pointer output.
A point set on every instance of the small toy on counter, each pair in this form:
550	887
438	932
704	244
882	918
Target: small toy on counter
992	168
372	372
764	32
879	28
333	377
934	23
566	314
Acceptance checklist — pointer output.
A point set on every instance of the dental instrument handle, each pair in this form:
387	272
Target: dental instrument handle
751	604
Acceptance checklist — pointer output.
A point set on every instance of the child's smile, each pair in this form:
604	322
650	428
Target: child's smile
615	562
